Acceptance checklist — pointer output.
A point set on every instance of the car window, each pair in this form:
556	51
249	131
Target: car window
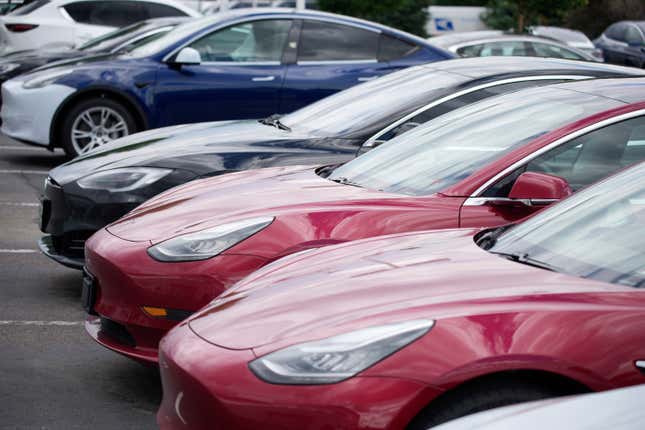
29	8
617	31
458	102
505	48
156	10
554	51
391	48
324	41
586	159
106	13
633	36
250	41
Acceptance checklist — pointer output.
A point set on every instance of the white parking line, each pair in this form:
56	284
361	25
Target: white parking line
19	204
25	172
18	251
21	148
42	323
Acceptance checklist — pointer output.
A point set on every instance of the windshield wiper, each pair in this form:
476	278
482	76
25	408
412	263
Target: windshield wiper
274	121
488	238
346	181
526	259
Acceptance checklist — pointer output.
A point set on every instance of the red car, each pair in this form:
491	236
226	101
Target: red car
486	164
411	330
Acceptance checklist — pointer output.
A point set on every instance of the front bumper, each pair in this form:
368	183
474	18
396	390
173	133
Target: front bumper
209	387
27	115
47	247
127	279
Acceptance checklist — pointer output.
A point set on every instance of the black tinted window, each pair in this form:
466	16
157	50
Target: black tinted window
108	13
633	36
391	48
156	10
323	41
616	32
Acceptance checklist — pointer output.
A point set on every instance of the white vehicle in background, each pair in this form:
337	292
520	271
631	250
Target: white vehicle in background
454	19
574	38
56	24
620	409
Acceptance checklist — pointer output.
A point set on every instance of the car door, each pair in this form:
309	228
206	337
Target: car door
331	57
240	75
580	161
635	46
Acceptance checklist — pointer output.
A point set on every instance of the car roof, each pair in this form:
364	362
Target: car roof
480	67
626	90
474	39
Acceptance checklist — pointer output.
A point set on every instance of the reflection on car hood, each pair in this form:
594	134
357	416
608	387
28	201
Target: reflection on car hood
194	147
376	281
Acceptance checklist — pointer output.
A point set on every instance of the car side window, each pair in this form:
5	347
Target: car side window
106	13
470	51
553	51
458	102
633	36
617	32
325	41
505	48
156	10
586	159
390	48
256	41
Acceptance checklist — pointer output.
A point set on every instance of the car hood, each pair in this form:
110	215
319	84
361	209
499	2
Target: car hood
375	281
194	147
209	202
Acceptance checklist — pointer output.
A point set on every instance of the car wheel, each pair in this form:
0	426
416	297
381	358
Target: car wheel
93	123
480	396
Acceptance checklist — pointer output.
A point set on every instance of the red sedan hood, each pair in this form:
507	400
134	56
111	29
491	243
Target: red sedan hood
375	281
214	201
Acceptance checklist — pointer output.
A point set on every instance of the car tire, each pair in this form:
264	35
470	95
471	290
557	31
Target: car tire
480	396
94	122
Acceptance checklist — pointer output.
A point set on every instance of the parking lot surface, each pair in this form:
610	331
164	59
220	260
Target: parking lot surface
52	376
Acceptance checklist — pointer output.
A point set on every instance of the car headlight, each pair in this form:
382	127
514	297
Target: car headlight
337	358
205	244
124	179
8	67
43	79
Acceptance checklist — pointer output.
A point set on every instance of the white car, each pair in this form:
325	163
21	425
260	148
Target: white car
57	24
620	409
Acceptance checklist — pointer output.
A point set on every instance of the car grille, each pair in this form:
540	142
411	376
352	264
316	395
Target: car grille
117	332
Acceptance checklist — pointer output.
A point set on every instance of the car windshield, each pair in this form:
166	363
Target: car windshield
598	233
450	148
373	105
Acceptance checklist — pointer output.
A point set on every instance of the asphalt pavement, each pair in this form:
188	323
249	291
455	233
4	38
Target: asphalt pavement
52	375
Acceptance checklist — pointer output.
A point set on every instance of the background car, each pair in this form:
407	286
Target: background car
485	44
624	43
574	38
428	326
68	23
7	6
118	41
243	64
96	189
485	164
618	409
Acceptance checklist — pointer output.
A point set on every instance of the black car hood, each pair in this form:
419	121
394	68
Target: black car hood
203	149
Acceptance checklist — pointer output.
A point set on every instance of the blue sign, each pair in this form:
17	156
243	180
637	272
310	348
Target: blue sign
443	24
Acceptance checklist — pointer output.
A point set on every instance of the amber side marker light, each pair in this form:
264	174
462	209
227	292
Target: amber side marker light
170	314
155	312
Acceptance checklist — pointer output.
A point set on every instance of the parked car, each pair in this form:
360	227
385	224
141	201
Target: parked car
486	164
55	24
487	43
7	6
619	409
412	330
117	41
624	43
89	192
248	63
574	38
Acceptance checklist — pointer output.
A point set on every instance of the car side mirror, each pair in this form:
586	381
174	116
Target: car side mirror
536	189
187	57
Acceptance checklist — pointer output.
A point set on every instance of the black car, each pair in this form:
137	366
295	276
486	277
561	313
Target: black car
120	40
93	190
624	43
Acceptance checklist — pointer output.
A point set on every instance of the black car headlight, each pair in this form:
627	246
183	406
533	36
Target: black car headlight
123	179
337	358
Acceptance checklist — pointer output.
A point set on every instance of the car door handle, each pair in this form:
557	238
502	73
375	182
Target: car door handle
366	78
263	79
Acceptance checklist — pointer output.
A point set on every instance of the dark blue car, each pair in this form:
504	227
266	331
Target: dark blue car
624	43
238	65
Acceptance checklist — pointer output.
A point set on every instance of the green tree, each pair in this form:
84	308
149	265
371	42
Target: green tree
519	14
408	15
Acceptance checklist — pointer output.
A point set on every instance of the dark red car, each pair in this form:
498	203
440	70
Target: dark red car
411	330
487	164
